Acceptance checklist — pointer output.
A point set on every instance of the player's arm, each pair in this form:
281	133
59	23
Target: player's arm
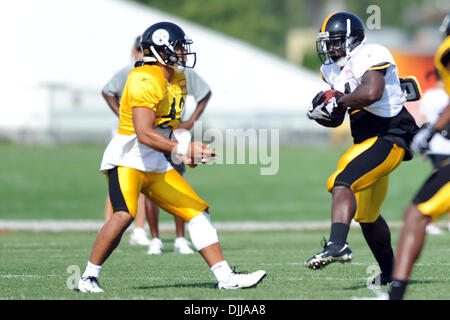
201	105
443	120
144	120
370	90
112	102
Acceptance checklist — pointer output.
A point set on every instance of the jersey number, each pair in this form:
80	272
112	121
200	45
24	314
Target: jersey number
173	111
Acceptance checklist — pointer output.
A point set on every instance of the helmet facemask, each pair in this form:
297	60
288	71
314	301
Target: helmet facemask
331	49
176	54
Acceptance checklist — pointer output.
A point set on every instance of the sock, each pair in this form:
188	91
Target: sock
92	270
398	288
221	271
386	263
378	237
338	233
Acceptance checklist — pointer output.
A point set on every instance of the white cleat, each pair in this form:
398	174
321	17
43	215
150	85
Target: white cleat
155	247
433	229
139	237
243	280
181	245
89	285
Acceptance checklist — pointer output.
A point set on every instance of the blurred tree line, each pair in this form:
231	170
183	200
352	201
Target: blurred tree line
265	23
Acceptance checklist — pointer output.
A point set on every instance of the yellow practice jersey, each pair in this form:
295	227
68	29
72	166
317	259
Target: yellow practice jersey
443	71
147	87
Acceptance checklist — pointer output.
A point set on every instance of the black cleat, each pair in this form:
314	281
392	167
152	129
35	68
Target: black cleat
331	253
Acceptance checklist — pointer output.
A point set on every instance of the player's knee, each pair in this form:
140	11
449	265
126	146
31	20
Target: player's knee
341	187
202	232
366	220
413	214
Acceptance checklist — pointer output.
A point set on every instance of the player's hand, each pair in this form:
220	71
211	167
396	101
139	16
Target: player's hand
187	125
187	161
420	142
322	107
198	153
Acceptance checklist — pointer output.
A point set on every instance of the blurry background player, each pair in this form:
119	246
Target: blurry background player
201	92
112	92
134	161
381	128
433	198
431	105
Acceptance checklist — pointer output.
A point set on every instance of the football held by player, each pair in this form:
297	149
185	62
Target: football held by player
134	161
365	83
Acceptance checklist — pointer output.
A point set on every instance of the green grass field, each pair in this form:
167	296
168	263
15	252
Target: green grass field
37	266
63	182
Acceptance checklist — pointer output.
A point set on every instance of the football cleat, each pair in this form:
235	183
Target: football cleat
331	253
181	245
89	285
139	238
433	229
242	280
155	247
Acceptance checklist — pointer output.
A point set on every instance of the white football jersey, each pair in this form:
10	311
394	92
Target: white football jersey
127	151
432	104
363	58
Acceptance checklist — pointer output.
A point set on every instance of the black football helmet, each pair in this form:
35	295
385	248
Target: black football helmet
167	43
445	26
341	32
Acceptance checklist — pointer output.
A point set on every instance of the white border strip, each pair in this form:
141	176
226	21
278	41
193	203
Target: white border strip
95	225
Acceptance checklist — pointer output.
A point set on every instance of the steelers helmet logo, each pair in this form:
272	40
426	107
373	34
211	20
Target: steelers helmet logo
160	37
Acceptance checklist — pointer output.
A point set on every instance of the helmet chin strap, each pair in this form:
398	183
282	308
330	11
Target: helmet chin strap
149	59
157	56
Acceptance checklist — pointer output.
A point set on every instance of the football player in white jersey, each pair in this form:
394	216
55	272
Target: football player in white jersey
365	83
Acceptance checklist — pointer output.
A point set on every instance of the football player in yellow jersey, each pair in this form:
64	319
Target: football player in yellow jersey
433	198
134	161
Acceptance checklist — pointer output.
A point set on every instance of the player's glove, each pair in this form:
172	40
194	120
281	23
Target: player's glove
422	138
324	105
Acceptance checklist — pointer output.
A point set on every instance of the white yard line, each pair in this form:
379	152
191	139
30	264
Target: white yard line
95	225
